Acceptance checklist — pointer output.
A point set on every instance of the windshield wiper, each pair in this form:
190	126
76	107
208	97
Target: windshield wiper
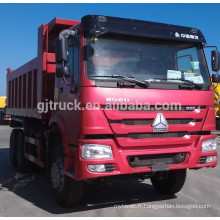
126	78
186	82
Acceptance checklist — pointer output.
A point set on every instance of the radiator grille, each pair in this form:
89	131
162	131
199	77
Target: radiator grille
150	108
150	121
154	135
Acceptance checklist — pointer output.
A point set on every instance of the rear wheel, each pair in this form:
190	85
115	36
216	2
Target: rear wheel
169	182
24	165
13	146
67	191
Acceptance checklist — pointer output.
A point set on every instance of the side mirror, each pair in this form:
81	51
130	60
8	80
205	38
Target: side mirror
62	71
61	49
215	78
215	61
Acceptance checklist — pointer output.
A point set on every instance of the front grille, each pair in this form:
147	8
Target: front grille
137	126
162	135
150	121
154	135
149	160
202	160
121	107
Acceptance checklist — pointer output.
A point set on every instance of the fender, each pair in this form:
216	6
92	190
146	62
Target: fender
58	120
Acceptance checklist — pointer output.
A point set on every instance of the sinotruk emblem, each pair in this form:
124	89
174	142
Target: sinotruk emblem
160	123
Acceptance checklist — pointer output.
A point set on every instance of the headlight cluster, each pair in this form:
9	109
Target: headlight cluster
96	151
209	145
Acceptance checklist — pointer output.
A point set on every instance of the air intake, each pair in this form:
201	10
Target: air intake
202	160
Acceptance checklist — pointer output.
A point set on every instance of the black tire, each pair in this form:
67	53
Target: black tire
67	191
169	182
24	165
13	146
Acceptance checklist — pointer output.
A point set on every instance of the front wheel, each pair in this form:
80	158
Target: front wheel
169	182
67	191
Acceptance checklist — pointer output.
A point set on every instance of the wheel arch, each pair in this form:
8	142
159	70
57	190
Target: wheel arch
57	122
56	134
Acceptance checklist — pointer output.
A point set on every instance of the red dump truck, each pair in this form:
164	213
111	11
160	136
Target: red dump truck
108	99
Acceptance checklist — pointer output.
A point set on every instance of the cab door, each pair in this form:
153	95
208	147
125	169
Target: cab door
69	92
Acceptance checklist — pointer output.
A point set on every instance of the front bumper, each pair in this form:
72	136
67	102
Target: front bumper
122	166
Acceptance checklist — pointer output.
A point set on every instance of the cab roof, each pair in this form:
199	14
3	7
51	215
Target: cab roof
99	24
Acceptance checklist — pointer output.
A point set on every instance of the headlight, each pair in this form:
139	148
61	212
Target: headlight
96	151
209	145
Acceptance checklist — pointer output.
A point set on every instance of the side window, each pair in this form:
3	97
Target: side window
73	58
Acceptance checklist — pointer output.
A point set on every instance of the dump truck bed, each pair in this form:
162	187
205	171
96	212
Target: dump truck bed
34	81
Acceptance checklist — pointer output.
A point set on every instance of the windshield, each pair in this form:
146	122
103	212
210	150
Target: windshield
145	59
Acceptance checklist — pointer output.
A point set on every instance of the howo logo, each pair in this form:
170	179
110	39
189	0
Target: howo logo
160	123
117	99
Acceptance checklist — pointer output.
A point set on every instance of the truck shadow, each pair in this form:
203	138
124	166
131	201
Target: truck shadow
36	189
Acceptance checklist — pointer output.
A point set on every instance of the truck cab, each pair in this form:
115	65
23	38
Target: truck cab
142	64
